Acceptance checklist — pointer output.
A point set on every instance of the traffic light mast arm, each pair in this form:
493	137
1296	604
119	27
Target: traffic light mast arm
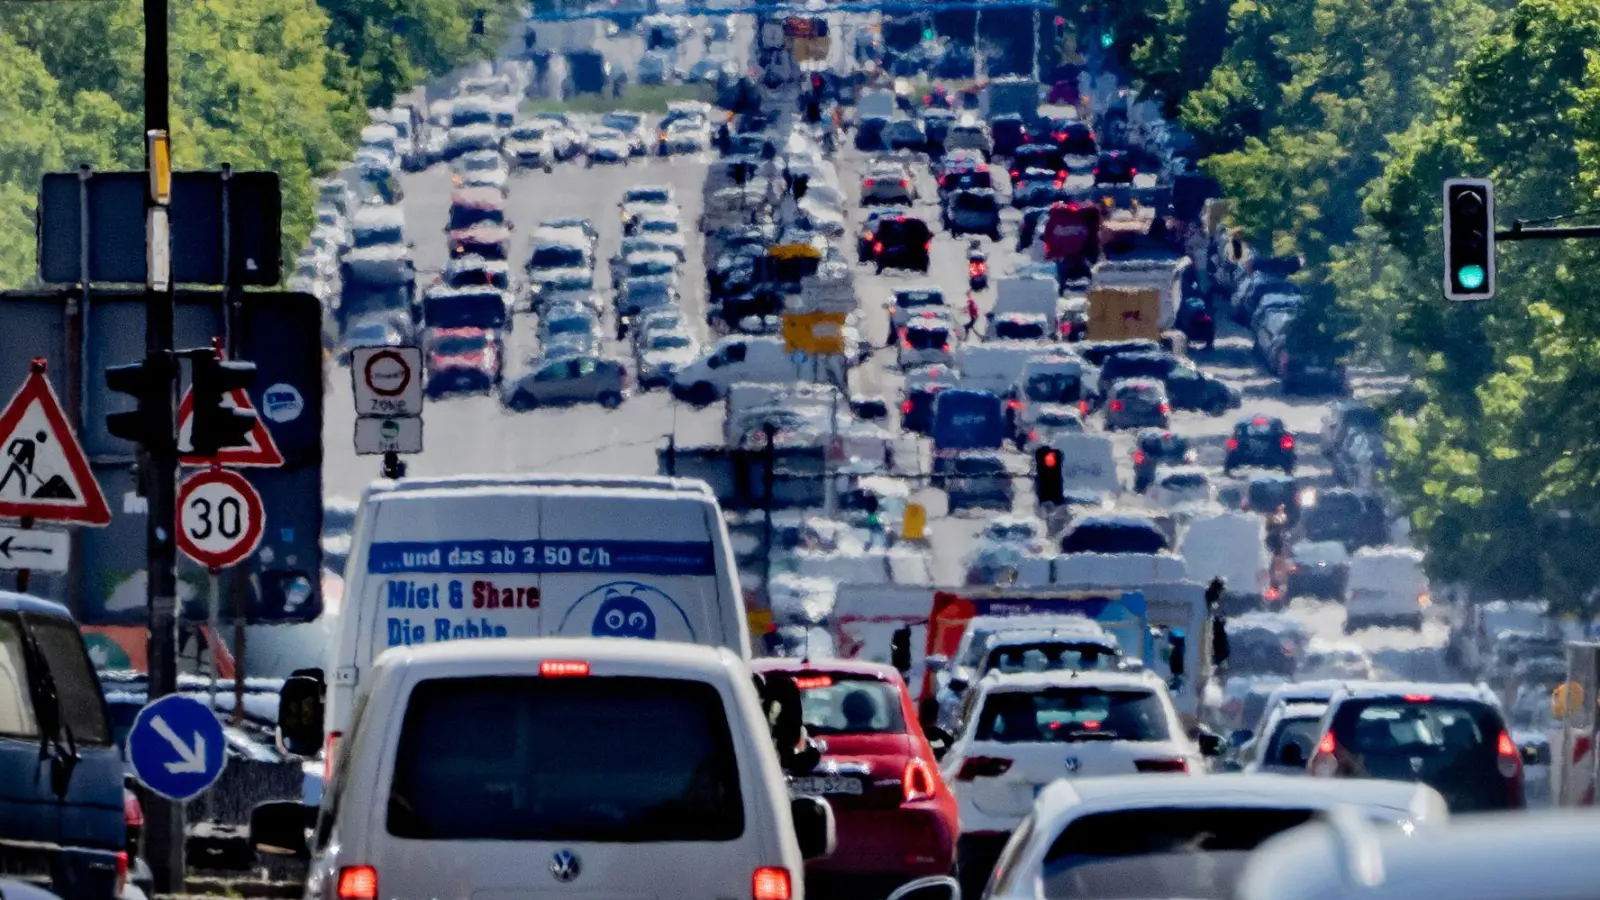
1573	232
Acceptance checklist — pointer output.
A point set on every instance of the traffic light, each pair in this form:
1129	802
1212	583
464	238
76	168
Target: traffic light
215	426
1468	239
1047	482
143	381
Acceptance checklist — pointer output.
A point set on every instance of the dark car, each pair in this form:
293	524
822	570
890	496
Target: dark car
978	481
1262	441
1309	372
1111	533
1353	518
869	134
1449	737
905	134
936	125
1270	490
1038	156
1197	323
903	242
975	211
1187	386
1114	167
1073	138
1156	447
1095	353
1317	569
1008	133
867	240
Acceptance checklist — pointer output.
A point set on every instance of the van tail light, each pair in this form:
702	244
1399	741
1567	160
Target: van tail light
329	750
868	183
770	883
1083	407
905	407
122	873
1014	403
1233	443
917	781
1138	457
905	183
563	668
877	247
983	767
1165	409
1272	594
1173	764
1287	442
358	883
1116	406
1509	758
1325	762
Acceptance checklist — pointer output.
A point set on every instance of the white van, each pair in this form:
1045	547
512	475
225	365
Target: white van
1387	587
436	560
1231	546
733	359
554	767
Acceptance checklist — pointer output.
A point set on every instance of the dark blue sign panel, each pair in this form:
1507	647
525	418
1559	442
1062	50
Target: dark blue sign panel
968	420
176	747
542	557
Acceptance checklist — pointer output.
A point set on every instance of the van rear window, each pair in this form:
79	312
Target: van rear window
539	759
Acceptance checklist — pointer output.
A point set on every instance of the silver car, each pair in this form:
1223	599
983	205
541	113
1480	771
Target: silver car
1137	403
577	379
484	168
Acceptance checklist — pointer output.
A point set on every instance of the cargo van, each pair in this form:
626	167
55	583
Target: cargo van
1231	546
1386	588
445	559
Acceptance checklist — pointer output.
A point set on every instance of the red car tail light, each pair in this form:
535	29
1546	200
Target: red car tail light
1287	442
1233	443
1509	758
918	782
1325	762
770	883
1138	457
1116	406
358	883
905	407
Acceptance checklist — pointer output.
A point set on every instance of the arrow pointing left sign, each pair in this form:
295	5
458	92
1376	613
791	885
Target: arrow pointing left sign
34	550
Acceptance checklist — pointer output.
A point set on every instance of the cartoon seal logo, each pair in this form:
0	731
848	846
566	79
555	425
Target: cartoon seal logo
624	615
628	609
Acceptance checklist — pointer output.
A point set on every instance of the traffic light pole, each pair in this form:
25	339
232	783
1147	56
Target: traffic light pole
164	820
1575	232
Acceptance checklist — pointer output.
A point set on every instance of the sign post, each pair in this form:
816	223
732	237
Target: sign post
388	397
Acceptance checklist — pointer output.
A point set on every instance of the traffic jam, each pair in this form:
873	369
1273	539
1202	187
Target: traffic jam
1026	557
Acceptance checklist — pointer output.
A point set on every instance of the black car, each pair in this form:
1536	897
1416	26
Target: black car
975	211
869	134
978	481
867	240
1187	386
1353	518
1262	441
1038	156
1270	490
1155	447
1008	133
1317	569
936	126
1073	138
1114	167
1312	372
903	242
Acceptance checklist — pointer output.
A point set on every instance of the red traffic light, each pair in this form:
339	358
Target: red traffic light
1051	460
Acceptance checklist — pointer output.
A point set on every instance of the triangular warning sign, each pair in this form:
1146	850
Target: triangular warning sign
259	451
43	472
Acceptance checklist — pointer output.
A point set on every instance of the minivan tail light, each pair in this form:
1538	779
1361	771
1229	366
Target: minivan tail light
1510	760
770	883
563	668
917	782
1325	762
1175	764
983	767
358	883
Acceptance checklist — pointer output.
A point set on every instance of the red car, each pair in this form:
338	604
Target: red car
895	816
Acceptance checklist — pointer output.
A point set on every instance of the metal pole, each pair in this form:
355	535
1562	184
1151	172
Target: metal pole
1036	43
771	431
164	830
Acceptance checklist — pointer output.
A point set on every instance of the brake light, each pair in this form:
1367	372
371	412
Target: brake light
1259	421
904	183
1165	409
1272	595
1132	171
1287	442
868	183
1175	764
1116	406
1325	763
1203	318
122	872
132	812
917	782
905	407
770	883
1418	698
329	750
983	767
1096	170
563	668
1510	761
1138	457
945	348
867	237
1014	403
811	682
1083	407
358	883
877	247
927	244
1034	435
1015	174
1233	443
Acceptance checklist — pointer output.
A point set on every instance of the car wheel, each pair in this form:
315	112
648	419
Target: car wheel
995	235
879	267
548	168
522	401
701	393
611	399
1227	471
588	162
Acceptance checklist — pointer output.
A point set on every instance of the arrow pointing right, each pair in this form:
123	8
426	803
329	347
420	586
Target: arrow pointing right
193	760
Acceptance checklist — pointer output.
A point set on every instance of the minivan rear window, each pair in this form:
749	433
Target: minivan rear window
1072	714
542	759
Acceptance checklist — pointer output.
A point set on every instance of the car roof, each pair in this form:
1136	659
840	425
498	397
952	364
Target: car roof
1020	682
1252	419
523	655
1400	689
882	671
1069	797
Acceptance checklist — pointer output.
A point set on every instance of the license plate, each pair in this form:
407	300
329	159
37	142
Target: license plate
819	785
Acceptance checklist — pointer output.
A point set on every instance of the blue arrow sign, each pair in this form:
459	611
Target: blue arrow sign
177	747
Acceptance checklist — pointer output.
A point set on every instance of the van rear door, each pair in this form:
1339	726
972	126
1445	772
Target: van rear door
640	564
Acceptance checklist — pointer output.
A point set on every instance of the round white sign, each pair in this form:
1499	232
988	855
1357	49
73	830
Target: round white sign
220	518
387	374
283	403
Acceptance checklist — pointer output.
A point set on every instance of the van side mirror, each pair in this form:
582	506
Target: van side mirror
900	650
934	887
1178	644
280	828
301	708
958	685
1292	755
814	827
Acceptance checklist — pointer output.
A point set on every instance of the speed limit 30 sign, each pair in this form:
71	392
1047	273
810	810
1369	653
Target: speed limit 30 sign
220	518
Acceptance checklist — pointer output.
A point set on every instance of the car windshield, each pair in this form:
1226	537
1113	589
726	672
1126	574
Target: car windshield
1260	428
1166	444
845	704
1097	537
557	256
659	226
620	121
460	345
650	267
928	338
485	163
570	325
1143	853
1019	329
915	299
1048	656
1054	388
469	216
670	341
537	759
970	202
653	196
527	133
1064	715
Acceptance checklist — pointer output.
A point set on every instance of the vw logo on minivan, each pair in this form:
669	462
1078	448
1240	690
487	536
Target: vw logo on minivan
565	866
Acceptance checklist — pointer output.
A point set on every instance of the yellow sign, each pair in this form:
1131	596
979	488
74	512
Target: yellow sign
914	526
816	333
1559	698
760	620
794	251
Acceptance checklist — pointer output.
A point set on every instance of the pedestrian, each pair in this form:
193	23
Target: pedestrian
972	314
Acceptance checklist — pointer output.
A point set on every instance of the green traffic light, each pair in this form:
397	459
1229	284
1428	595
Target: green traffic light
1470	277
1106	40
927	34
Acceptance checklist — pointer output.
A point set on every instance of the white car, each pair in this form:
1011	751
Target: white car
1172	836
925	341
662	354
482	168
1050	421
648	200
1021	733
693	136
889	183
656	67
529	147
664	230
1287	737
465	139
1181	486
606	145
